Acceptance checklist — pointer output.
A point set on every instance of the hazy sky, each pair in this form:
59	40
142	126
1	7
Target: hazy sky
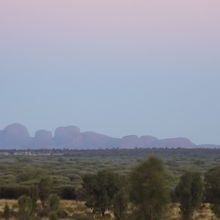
113	66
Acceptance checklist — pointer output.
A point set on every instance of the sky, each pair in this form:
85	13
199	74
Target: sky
116	67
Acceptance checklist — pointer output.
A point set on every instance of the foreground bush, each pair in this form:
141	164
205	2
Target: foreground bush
149	190
25	207
212	187
100	190
189	192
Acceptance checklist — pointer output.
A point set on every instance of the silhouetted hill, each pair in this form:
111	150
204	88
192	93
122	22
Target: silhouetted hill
173	143
68	137
92	139
43	139
16	136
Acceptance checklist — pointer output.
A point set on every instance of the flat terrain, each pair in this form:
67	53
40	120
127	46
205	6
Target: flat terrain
67	167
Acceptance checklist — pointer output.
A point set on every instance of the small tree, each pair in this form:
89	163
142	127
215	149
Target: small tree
212	189
189	192
120	204
6	213
54	201
149	191
25	207
100	190
34	195
44	187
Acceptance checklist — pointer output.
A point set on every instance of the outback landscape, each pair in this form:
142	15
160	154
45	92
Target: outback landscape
67	179
109	110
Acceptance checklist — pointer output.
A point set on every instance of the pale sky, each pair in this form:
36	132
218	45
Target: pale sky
117	67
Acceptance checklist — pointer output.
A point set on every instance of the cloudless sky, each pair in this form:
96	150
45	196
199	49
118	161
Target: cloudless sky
117	67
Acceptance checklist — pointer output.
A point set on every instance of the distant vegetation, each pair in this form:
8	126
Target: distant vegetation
138	184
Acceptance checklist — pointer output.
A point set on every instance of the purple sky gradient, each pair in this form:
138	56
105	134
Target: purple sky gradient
117	67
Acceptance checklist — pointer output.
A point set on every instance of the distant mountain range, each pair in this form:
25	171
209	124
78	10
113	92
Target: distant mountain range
16	136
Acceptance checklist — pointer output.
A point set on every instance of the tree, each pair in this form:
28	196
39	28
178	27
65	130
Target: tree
149	190
120	204
44	187
212	189
67	193
189	192
34	195
100	189
25	207
54	201
6	213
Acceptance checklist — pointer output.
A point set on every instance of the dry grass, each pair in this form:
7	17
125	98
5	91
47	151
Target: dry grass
77	209
204	213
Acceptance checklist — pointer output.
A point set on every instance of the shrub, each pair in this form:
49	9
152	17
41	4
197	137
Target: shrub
6	212
149	190
189	192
